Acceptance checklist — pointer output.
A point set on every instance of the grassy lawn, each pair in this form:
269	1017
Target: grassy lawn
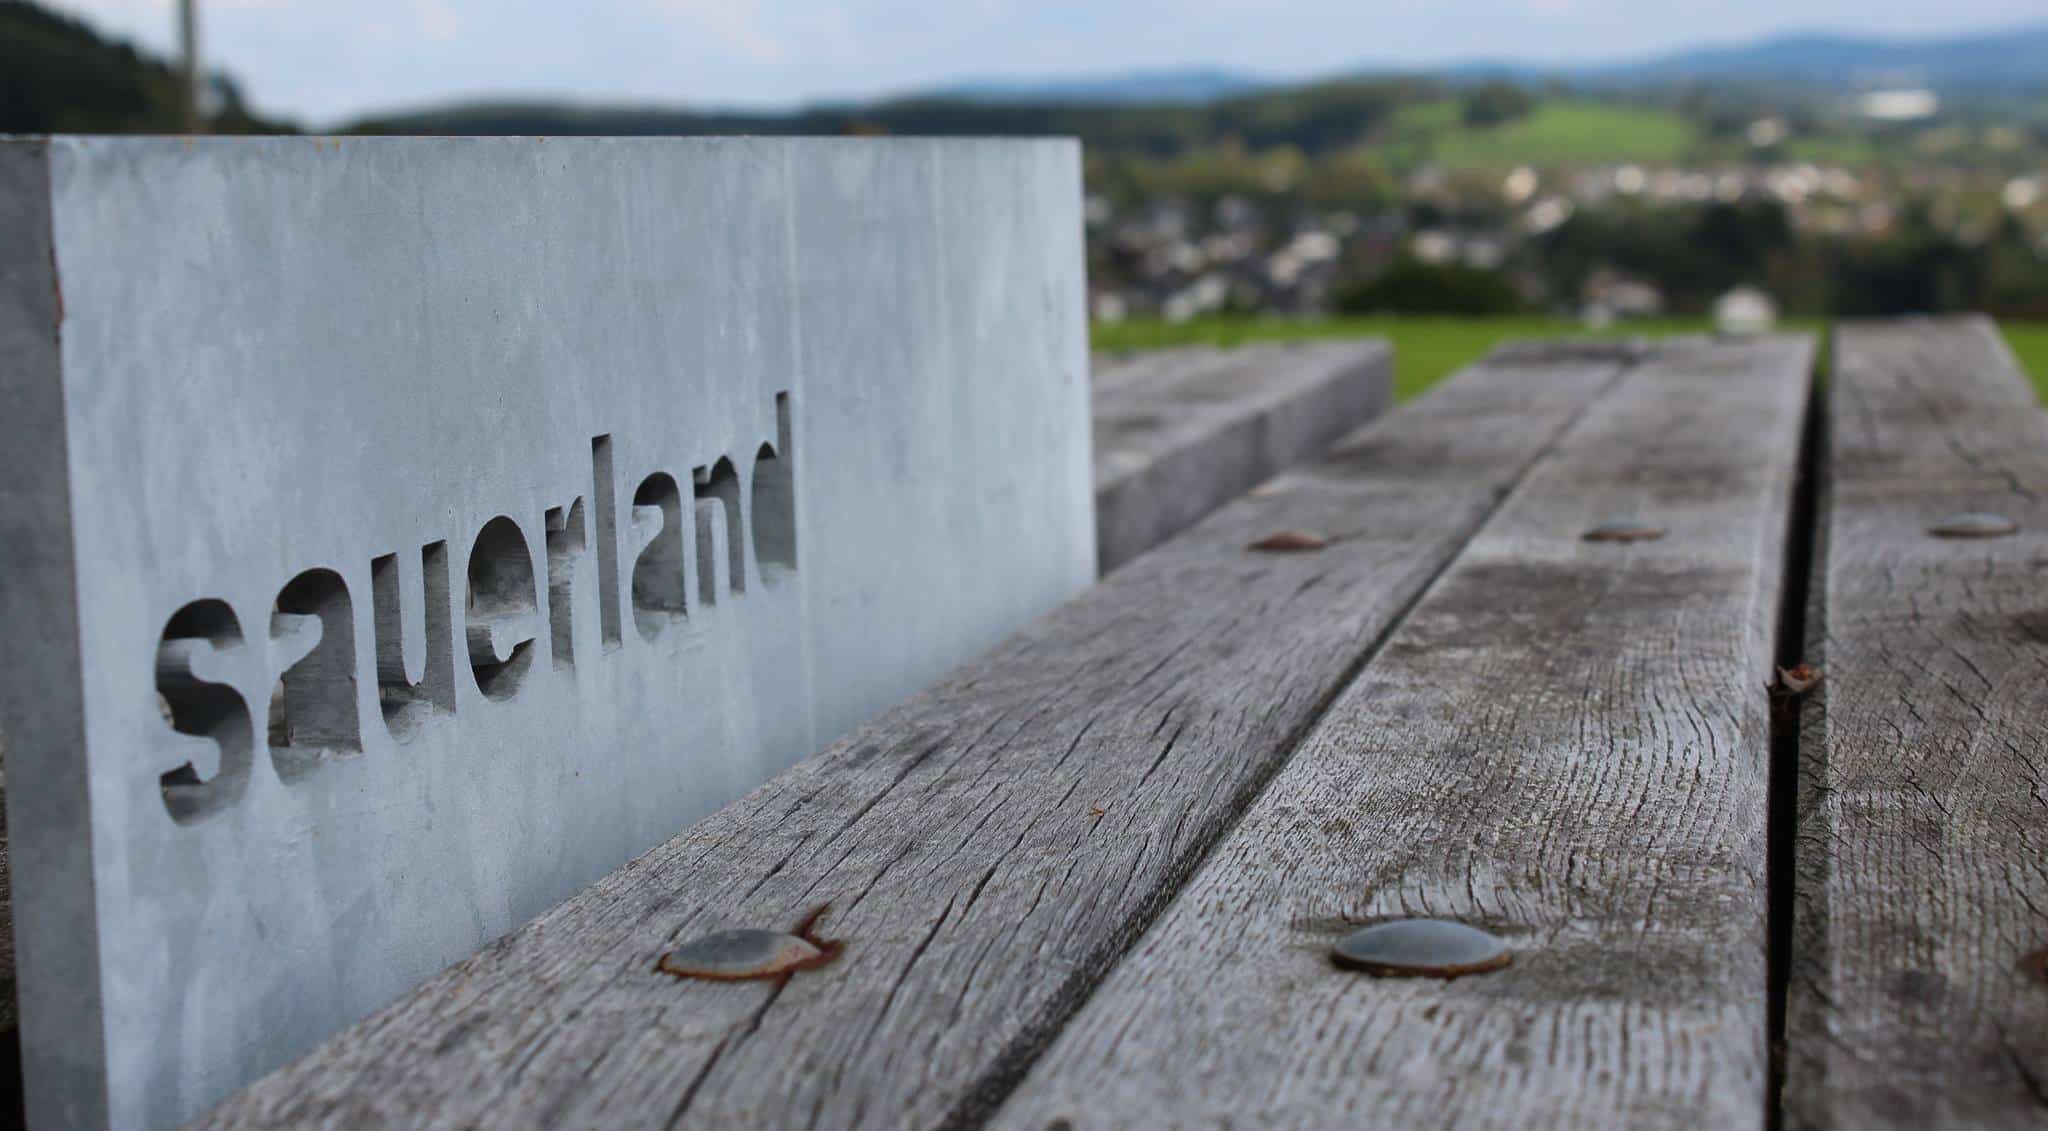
1428	349
2030	341
1559	132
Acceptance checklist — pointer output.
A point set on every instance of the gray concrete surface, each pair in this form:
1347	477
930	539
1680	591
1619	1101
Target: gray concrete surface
1180	432
401	534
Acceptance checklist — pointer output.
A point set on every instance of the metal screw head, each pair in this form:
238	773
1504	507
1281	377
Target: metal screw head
1421	948
742	955
1624	530
1974	524
750	953
1289	542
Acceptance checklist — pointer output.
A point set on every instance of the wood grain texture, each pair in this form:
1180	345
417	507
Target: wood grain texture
1181	432
988	848
1567	743
1922	854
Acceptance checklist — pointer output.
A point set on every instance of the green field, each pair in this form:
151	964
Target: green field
1841	149
1558	132
2030	341
1428	349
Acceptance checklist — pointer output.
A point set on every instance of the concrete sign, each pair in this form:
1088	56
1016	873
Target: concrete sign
400	534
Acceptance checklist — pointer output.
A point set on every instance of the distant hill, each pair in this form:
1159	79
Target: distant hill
1177	85
59	76
1315	118
2011	60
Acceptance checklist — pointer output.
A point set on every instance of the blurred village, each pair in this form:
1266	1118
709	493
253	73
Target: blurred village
1887	205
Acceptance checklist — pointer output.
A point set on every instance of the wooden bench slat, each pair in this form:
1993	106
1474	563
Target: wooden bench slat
989	848
1139	371
1922	854
1566	742
1181	433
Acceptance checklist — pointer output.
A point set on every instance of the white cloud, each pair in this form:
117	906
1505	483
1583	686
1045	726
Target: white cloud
736	25
439	23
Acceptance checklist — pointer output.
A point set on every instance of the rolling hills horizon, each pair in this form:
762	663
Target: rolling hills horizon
48	58
1998	64
2004	59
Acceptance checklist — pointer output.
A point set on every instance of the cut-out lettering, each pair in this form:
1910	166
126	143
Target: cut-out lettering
688	547
658	579
313	706
718	507
503	606
774	500
566	544
604	497
415	669
199	703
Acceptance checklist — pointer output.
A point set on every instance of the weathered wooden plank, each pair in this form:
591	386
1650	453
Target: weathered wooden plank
988	849
1566	742
1180	433
1138	369
1922	854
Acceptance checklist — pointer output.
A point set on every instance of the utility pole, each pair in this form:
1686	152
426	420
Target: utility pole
188	42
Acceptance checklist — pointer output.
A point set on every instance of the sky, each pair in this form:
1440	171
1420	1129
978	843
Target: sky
324	61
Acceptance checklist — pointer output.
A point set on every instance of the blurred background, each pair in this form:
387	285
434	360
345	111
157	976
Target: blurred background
1446	174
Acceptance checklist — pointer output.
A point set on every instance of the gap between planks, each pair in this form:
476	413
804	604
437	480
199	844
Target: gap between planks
1567	743
1796	610
1922	863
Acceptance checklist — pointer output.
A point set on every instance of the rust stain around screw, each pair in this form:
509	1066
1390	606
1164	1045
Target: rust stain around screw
2035	966
752	954
1974	524
1289	542
1624	530
1798	680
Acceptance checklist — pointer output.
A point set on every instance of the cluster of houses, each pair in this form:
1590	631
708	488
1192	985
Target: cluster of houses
1176	258
1169	258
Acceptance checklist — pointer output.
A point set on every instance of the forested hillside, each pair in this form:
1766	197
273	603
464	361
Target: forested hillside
59	76
1315	119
